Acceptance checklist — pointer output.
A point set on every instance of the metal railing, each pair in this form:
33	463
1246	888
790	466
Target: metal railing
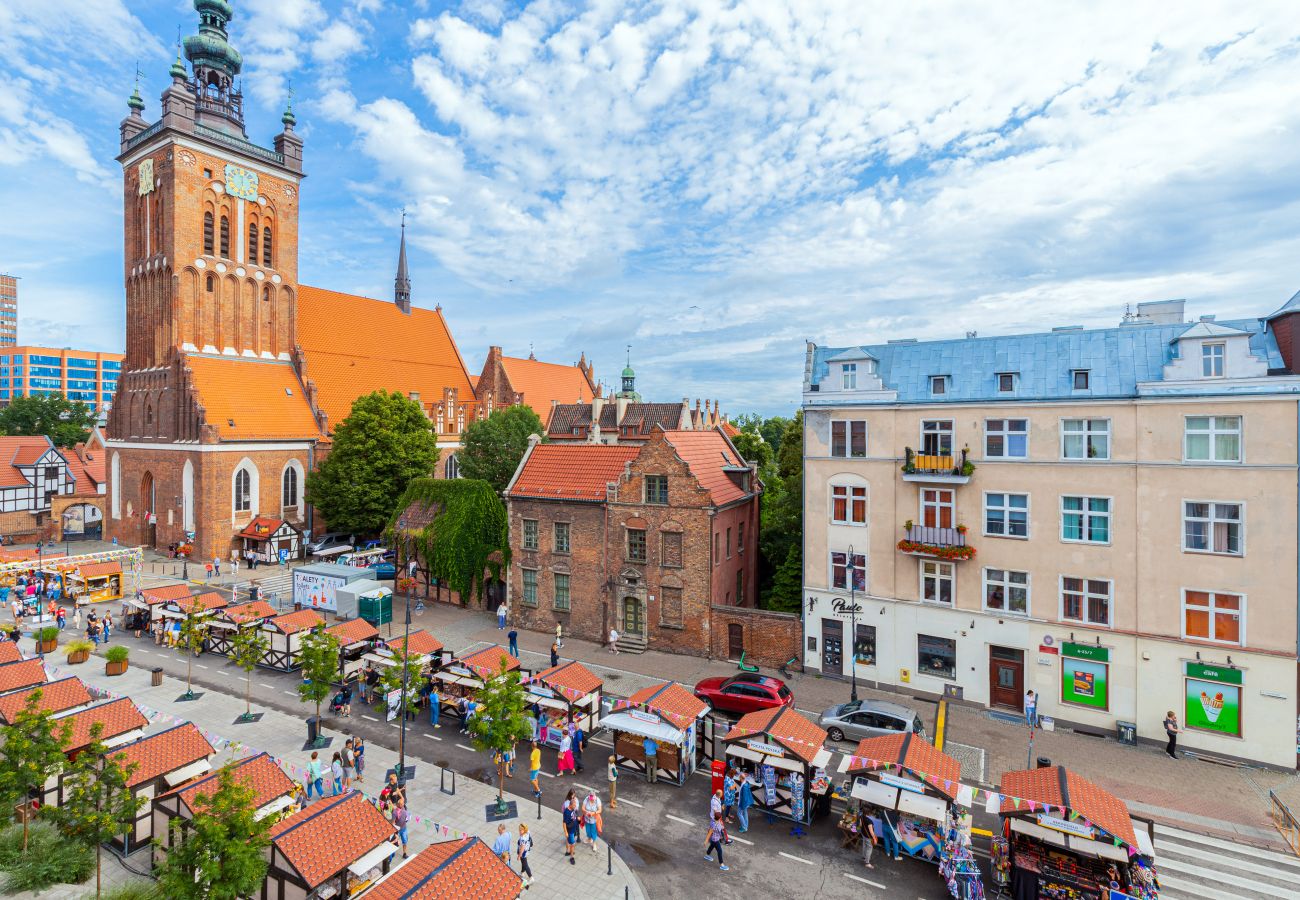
1285	821
145	135
936	463
239	144
936	537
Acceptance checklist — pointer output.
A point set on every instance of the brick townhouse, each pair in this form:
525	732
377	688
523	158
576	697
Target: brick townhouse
647	539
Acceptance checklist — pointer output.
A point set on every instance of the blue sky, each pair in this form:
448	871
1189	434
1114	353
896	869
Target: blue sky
711	182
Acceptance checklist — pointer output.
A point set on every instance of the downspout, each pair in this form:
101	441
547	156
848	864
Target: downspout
311	508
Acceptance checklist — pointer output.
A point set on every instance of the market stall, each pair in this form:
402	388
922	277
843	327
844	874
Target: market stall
269	539
335	848
464	677
285	634
424	649
1065	837
784	756
147	605
228	621
668	714
356	638
459	868
566	693
94	582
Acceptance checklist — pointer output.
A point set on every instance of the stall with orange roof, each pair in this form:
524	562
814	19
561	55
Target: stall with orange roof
569	692
97	582
463	677
785	756
668	714
230	620
465	867
285	634
356	638
335	848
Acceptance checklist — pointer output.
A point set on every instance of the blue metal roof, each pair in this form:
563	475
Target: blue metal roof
1116	358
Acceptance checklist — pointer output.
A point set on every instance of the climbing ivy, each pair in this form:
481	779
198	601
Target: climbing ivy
457	529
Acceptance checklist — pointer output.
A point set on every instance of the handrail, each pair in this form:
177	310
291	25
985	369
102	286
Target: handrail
239	144
1286	822
145	135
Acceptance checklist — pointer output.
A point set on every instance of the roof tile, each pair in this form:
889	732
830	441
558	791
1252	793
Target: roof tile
261	397
573	676
922	759
673	701
572	471
163	752
786	726
248	612
99	570
422	643
56	696
164	592
1092	802
302	620
331	834
259	772
21	674
708	454
118	717
353	631
451	870
542	383
205	602
486	663
9	651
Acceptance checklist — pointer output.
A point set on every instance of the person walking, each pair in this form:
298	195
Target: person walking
578	738
867	836
349	764
1031	708
62	617
336	773
513	637
565	762
559	636
76	618
108	626
651	760
525	847
435	705
889	833
715	803
1171	731
555	655
314	777
611	772
717	834
591	818
359	754
744	800
535	768
501	616
401	817
572	818
613	641
216	566
501	846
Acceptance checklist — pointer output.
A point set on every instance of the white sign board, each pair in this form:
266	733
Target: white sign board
312	591
1059	824
906	784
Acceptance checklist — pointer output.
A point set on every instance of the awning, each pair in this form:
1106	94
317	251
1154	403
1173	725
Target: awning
744	753
784	762
185	773
821	759
1038	831
333	551
548	702
138	604
923	805
1144	845
621	721
873	791
452	678
372	859
223	624
273	807
121	739
1097	848
843	767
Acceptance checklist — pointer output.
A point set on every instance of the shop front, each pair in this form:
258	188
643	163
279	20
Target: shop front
569	692
1212	699
229	621
783	755
1085	677
94	582
270	540
668	714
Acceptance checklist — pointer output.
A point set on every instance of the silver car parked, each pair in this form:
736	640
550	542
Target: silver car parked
860	719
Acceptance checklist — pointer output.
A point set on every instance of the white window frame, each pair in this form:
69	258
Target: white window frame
849	377
941	381
1087	514
830	570
1005	433
1240	613
1015	382
848	490
951	431
1241	527
1212	432
1110	601
1087	433
1209	358
984	515
943	571
1006	586
848	438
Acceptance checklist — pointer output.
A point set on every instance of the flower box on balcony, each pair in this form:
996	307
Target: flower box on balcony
917	548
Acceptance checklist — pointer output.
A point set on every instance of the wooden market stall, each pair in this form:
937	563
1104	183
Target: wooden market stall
668	714
94	582
464	677
120	722
1067	837
267	537
173	810
456	868
335	848
564	693
229	620
784	753
285	634
21	674
356	638
162	761
58	696
147	607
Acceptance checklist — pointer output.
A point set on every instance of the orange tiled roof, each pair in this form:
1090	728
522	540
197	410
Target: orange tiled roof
707	453
672	701
9	652
247	612
543	382
117	716
785	726
164	592
331	834
56	696
99	570
572	471
464	868
21	674
166	751
730	430
919	758
259	772
205	602
262	397
261	527
486	663
573	676
353	631
422	643
302	620
356	345
1094	803
88	472
19	450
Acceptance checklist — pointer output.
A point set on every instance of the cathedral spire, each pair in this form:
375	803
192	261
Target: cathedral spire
216	63
402	283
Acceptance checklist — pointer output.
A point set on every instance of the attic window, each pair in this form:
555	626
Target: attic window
1081	380
1007	382
1212	359
850	377
938	385
230	422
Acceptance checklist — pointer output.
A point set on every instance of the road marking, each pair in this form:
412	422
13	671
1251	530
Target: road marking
941	720
1222	878
584	787
1164	834
434	736
982	832
140	650
369	718
874	884
200	665
602	742
290	693
269	687
677	819
806	862
741	840
632	803
543	774
470	749
393	725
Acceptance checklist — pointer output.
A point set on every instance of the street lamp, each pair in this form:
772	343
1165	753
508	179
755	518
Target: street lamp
406	674
851	571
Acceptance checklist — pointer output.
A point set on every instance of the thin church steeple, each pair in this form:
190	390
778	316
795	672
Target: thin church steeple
402	283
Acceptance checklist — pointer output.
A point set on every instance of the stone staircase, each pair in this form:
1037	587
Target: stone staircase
631	643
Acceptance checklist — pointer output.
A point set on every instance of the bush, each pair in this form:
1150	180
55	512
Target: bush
117	654
50	859
79	645
48	633
136	890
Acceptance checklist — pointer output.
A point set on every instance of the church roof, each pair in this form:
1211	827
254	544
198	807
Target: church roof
543	383
252	399
356	345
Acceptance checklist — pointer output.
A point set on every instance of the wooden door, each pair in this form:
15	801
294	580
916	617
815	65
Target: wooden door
735	641
633	622
937	506
1007	678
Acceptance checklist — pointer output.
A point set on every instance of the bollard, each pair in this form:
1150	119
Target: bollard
609	858
539	807
627	892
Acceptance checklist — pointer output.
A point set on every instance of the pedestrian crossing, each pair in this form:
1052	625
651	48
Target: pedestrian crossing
1199	867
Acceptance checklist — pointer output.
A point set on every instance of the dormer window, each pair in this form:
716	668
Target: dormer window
938	385
1080	379
1212	359
1007	382
849	377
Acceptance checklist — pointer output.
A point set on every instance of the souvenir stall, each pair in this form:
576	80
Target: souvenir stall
464	677
199	606
268	538
356	638
147	606
1068	839
564	693
668	714
783	755
94	582
335	848
285	634
159	762
229	620
424	649
461	867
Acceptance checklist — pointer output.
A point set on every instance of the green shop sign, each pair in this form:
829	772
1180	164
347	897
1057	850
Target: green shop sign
1083	682
1222	674
1086	651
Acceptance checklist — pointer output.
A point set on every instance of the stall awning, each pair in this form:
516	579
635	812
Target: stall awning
821	759
124	738
273	807
1097	848
131	601
741	752
922	805
372	859
1038	831
657	730
1144	845
548	702
185	773
453	678
223	625
873	791
784	762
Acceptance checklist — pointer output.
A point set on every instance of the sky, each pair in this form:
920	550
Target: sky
712	183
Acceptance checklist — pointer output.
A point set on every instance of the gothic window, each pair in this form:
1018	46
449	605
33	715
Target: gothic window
290	487
207	239
266	292
252	243
148	414
210	284
225	237
243	491
266	246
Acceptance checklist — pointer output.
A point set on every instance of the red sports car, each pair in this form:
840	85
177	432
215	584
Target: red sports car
744	693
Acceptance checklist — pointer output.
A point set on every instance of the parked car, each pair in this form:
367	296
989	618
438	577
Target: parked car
744	693
329	542
860	719
383	571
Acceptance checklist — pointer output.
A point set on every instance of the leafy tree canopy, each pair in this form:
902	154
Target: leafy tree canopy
499	723
319	658
33	751
64	421
456	529
491	448
383	444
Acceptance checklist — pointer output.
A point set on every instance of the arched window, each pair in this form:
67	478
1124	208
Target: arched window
225	237
148	414
207	237
290	492
252	243
243	491
266	246
453	467
266	292
210	284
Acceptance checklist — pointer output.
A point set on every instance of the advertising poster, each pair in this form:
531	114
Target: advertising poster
315	591
1213	706
1083	683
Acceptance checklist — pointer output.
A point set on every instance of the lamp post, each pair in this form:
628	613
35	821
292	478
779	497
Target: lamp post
851	571
406	674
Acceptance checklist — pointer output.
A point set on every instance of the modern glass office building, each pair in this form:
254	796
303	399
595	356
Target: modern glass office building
82	375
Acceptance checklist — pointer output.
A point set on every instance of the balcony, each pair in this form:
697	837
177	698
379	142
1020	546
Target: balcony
936	543
936	469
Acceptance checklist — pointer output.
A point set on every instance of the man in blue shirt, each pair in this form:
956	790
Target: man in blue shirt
651	760
745	802
501	846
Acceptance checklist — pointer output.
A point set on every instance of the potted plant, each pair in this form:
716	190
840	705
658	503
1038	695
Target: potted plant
48	638
78	650
115	660
961	529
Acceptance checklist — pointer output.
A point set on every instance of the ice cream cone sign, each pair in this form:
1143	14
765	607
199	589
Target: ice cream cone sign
1213	708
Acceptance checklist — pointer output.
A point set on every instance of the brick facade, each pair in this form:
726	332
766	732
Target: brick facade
767	638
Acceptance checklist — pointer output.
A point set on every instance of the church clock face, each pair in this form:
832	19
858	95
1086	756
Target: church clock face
241	183
145	171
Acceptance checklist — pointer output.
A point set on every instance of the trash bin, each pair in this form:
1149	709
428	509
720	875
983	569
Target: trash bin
1127	732
157	676
1044	762
313	729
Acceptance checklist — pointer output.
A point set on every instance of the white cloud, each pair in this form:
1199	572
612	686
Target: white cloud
337	41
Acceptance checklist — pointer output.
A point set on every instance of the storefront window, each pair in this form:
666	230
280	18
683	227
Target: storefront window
864	645
936	656
1213	699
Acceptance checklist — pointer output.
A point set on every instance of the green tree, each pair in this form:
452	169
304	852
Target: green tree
780	536
499	722
754	449
491	448
383	444
33	751
65	422
787	585
194	632
220	855
391	680
319	658
247	648
97	801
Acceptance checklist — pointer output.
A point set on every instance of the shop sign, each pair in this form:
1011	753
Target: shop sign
1047	648
844	608
1213	706
541	691
1078	829
765	748
460	670
1086	651
905	784
642	716
1084	683
1222	674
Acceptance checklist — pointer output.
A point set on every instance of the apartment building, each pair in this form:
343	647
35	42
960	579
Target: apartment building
8	310
82	375
1105	516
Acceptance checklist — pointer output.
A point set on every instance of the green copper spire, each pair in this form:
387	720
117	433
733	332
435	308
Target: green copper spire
178	68
288	118
135	101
